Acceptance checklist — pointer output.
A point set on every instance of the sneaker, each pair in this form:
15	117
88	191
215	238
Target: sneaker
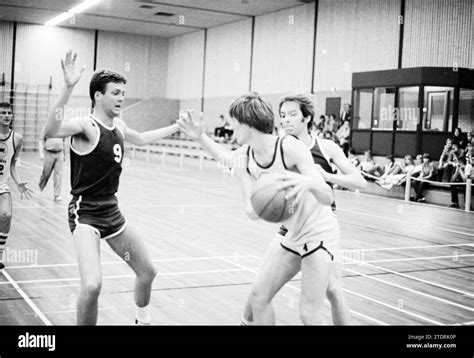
421	200
58	198
454	205
140	323
2	266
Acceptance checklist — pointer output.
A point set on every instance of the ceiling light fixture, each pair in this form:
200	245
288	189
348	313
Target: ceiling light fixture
70	13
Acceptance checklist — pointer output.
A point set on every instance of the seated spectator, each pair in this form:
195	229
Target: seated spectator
219	131
331	124
353	158
368	166
398	177
418	165
427	173
344	134
462	173
459	138
444	169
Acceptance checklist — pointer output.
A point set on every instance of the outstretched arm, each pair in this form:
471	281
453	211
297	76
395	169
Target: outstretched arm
144	138
349	176
194	129
56	126
23	188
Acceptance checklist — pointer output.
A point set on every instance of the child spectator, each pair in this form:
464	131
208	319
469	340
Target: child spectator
427	173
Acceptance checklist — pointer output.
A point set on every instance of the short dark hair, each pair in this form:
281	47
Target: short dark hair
254	111
306	104
100	79
5	105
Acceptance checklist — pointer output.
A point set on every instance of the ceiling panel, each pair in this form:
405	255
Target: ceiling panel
129	16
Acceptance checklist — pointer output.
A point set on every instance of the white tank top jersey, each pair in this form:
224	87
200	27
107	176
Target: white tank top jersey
7	150
311	221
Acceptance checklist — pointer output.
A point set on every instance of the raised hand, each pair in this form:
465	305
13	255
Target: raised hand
71	74
25	191
190	126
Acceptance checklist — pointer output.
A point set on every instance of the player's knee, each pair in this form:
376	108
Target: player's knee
258	299
334	294
312	313
92	288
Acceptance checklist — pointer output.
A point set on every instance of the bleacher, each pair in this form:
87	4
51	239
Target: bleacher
437	193
175	147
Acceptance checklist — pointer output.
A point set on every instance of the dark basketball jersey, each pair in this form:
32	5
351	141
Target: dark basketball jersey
97	171
319	158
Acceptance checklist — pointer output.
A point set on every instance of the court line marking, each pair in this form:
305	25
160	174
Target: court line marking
409	259
408	247
127	276
123	262
414	291
254	271
404	221
387	305
362	263
25	297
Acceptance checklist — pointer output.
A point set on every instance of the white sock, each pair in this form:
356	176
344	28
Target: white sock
143	314
244	322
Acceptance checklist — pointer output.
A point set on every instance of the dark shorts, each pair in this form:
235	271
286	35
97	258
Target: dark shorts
101	214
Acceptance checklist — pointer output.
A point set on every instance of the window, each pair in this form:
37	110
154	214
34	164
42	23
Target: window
363	108
407	113
466	110
384	105
437	109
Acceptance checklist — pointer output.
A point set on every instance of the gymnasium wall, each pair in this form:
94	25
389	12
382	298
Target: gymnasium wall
151	113
143	60
439	34
283	51
40	48
6	45
354	36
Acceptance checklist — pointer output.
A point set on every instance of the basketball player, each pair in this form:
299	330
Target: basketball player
297	115
97	147
10	145
312	230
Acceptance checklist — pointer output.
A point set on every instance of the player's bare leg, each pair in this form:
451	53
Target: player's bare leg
87	245
341	314
5	222
131	248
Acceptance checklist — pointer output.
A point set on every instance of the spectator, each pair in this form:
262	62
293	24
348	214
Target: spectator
353	158
219	131
368	166
52	153
462	173
418	165
344	134
459	138
391	167
444	169
331	124
399	177
346	113
427	173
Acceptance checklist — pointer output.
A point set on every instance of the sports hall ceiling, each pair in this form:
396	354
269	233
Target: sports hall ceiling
143	17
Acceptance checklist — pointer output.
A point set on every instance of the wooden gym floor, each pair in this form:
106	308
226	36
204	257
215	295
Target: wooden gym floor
406	263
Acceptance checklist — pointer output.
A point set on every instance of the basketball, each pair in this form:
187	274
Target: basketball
269	202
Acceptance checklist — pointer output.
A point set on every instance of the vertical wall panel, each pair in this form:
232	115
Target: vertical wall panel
141	59
354	36
185	66
439	33
40	48
228	59
283	50
6	43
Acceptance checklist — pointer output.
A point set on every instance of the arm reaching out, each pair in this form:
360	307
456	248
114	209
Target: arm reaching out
194	129
144	138
56	126
23	188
